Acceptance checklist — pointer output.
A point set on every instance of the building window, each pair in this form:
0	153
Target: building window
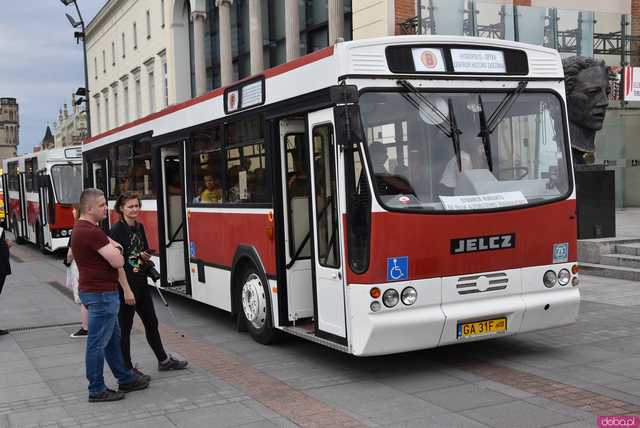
135	36
124	52
104	62
152	91
165	79
115	104
113	53
138	90
162	13
148	24
95	66
98	122
106	111
125	99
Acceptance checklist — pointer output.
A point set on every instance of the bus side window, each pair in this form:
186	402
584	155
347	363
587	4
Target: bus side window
206	162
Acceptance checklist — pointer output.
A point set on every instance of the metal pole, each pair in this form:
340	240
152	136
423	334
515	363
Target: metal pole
419	16
87	101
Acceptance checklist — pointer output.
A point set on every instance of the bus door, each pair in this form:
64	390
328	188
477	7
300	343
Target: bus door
173	227
297	230
43	214
99	175
23	233
326	230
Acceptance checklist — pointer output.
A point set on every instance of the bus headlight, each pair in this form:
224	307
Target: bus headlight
549	279
564	276
390	298
63	232
409	296
375	306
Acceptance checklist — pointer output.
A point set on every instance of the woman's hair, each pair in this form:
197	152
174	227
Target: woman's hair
123	199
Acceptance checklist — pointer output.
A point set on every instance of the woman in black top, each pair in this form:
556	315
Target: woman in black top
129	233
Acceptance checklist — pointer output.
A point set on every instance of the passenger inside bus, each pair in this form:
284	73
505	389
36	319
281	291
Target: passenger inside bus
212	192
386	183
471	158
297	182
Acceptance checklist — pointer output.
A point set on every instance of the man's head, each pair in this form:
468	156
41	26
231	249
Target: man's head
93	205
378	155
587	87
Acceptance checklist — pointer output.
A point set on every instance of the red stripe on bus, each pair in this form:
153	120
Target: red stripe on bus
217	236
64	217
271	72
426	241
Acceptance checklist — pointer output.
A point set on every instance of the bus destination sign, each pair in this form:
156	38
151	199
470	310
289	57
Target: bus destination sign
478	61
245	95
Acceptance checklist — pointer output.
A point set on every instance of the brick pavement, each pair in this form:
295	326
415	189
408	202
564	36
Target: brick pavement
562	377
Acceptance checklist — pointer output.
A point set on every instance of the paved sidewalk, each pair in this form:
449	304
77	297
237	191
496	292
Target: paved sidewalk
563	377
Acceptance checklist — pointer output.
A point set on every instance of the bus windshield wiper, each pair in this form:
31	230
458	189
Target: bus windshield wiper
485	134
453	132
504	107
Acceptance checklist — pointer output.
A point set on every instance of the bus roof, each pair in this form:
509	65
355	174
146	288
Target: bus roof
376	57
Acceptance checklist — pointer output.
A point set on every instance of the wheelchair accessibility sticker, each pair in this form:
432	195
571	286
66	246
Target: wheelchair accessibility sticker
397	268
561	252
192	248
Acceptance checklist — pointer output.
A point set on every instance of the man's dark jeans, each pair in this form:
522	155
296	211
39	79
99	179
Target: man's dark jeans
103	341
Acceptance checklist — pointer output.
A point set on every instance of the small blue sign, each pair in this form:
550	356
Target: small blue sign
561	252
397	268
192	248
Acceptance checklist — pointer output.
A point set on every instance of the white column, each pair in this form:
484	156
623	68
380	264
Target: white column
256	51
336	20
226	64
292	29
199	57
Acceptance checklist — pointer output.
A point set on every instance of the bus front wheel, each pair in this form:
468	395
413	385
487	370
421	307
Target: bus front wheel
255	307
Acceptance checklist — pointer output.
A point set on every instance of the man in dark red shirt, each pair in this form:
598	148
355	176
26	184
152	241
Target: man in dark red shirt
98	259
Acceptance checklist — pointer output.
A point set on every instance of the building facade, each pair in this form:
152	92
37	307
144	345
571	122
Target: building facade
144	55
71	127
9	127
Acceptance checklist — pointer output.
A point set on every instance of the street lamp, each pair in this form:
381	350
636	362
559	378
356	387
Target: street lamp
81	35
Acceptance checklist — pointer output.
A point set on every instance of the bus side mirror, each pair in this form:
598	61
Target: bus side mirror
348	124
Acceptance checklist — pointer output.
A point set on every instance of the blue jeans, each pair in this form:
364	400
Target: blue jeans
103	340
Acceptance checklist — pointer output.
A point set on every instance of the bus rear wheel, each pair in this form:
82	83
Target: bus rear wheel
256	308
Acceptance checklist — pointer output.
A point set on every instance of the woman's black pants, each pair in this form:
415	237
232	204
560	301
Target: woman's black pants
145	310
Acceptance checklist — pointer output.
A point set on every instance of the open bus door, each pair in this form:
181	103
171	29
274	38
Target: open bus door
21	234
99	176
328	268
173	221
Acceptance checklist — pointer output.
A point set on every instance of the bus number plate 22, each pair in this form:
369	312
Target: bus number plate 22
481	328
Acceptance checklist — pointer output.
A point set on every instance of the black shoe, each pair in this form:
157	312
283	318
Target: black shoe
135	385
3	332
106	395
79	334
172	364
142	375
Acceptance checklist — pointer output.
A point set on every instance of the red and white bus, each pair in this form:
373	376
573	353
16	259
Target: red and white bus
40	190
441	207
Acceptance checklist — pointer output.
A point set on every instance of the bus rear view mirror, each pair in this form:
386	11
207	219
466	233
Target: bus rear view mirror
348	124
343	94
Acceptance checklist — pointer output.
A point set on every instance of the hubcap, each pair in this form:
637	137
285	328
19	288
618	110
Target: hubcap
254	302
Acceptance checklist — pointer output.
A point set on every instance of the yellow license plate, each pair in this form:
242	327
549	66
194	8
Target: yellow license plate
481	328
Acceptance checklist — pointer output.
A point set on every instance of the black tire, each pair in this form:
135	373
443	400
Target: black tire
40	239
255	306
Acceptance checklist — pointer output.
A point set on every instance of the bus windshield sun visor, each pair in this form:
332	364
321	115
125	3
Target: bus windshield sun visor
419	103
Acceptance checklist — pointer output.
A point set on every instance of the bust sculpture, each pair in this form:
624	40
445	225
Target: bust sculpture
587	88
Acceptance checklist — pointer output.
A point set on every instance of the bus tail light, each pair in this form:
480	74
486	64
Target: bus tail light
549	279
390	298
409	296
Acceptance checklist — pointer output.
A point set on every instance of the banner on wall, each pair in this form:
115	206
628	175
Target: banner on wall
632	83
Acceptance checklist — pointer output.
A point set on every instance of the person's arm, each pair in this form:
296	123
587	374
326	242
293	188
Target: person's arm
112	253
129	298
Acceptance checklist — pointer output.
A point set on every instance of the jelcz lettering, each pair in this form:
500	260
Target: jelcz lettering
483	243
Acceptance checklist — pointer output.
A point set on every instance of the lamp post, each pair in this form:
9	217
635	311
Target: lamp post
81	35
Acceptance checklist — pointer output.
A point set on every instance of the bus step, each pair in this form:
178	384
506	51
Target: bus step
304	333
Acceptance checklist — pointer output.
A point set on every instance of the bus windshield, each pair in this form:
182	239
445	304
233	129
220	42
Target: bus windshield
67	182
453	151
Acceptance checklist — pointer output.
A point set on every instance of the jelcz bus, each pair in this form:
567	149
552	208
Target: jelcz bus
40	190
376	196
